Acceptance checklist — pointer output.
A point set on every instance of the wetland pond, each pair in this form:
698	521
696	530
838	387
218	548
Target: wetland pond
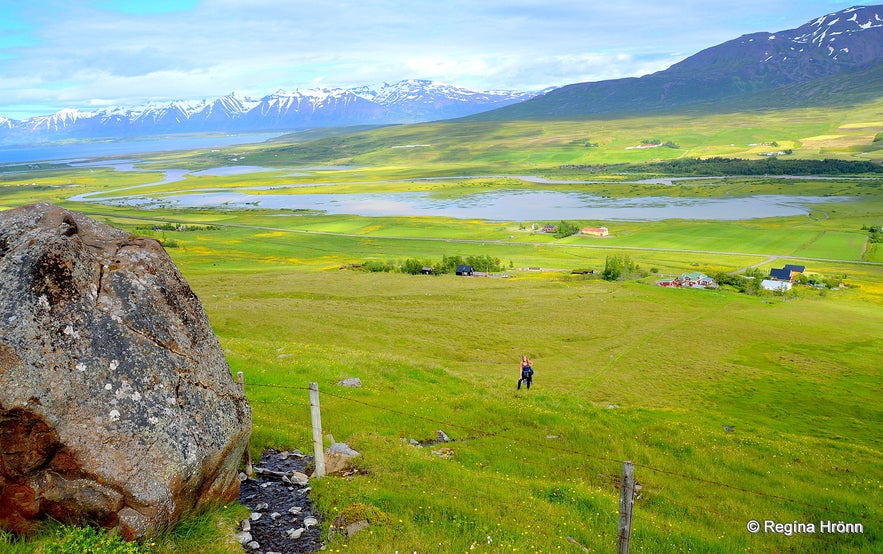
496	205
499	205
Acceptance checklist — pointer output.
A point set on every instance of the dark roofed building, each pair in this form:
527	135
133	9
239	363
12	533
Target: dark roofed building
787	273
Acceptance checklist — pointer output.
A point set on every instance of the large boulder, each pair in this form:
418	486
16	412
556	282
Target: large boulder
116	403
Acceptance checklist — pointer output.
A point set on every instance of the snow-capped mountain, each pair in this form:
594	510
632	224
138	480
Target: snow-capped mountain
55	122
408	101
426	100
834	59
836	34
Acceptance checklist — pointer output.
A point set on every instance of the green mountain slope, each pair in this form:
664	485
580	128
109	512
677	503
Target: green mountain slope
834	60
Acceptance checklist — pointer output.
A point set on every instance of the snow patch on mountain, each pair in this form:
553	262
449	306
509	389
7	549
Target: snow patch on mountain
408	101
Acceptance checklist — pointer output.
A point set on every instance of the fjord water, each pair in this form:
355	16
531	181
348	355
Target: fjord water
79	150
501	205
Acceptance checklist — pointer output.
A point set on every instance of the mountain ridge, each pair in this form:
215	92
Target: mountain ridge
837	44
407	101
833	59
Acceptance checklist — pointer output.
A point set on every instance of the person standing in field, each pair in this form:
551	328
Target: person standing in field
526	372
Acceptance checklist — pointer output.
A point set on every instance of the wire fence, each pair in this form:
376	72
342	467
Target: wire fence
476	433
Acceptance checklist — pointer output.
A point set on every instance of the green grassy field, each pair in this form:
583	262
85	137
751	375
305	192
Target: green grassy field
624	372
733	407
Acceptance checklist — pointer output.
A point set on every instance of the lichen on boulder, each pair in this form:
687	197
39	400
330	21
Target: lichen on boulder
116	402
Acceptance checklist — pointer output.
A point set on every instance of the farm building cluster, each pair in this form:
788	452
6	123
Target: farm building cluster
591	231
781	278
694	280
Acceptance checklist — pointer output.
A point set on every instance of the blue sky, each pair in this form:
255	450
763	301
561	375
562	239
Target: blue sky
90	54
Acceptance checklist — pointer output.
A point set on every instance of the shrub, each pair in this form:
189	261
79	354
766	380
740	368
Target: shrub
361	512
566	229
485	263
170	243
413	266
619	267
448	264
375	266
749	283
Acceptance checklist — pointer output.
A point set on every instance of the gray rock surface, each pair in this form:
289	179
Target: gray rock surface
338	456
116	403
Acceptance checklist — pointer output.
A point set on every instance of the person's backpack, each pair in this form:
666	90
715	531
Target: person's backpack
527	371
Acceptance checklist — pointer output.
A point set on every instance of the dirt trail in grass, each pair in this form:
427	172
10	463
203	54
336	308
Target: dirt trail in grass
769	260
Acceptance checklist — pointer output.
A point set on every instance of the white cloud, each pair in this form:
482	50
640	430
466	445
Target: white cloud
76	52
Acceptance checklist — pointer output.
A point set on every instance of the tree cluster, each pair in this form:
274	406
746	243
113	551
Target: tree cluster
447	265
875	233
566	229
712	167
620	268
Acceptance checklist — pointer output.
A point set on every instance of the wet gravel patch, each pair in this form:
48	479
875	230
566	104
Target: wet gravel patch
283	518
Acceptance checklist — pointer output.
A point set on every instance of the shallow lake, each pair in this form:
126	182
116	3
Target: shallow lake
501	205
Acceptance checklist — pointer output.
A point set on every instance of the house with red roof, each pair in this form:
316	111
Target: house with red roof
595	231
694	280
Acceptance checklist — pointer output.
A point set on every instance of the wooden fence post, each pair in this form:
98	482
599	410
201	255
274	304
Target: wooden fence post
626	504
249	469
316	416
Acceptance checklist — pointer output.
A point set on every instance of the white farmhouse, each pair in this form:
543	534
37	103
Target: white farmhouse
778	286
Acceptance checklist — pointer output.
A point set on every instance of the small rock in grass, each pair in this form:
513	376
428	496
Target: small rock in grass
354	528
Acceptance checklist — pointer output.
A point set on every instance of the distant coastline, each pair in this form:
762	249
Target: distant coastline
84	149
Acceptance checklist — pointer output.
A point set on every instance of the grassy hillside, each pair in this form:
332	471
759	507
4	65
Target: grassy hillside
623	372
845	132
733	407
681	89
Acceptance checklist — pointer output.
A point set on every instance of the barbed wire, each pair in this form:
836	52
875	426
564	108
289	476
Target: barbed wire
484	433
